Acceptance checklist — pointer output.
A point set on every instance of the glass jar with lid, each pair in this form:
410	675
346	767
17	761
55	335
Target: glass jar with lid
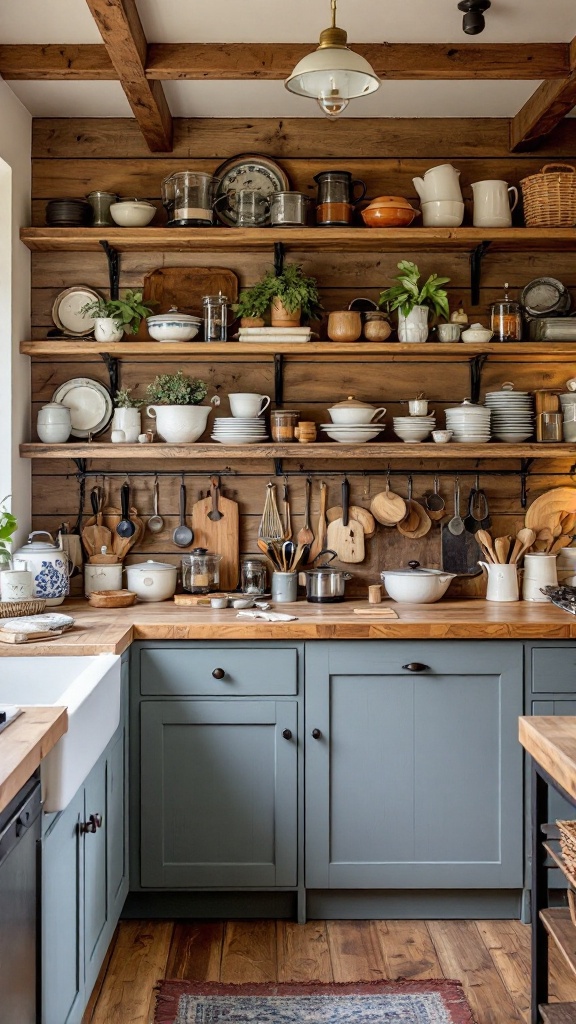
201	571
253	577
215	317
506	318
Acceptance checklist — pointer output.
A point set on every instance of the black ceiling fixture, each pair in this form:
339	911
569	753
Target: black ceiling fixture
473	20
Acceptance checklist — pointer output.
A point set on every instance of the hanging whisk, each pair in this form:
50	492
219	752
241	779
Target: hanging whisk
271	527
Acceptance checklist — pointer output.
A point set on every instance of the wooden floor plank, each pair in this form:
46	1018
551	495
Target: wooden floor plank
138	961
302	952
100	980
508	943
355	951
463	956
249	952
196	951
408	950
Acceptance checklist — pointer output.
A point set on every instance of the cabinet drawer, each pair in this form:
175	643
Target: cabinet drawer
554	669
219	671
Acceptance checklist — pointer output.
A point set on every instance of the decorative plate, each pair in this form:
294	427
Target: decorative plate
90	404
66	310
247	170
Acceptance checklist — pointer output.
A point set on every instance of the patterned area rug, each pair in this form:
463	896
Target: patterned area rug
404	1002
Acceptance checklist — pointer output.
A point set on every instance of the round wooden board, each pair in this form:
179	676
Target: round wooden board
550	507
423	526
388	508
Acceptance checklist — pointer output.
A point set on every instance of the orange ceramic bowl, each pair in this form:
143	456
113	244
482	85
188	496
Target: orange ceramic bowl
388	216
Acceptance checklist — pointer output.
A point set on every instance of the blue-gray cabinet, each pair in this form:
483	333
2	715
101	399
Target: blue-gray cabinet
413	770
84	882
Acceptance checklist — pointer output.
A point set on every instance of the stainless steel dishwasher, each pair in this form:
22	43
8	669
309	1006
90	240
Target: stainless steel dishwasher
19	835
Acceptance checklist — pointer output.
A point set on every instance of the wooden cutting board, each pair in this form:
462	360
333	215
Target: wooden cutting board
346	540
185	287
361	515
220	537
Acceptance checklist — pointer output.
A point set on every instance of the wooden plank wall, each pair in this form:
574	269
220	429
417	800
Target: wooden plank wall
72	157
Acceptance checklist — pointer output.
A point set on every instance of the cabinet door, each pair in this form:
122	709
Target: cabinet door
218	793
62	997
95	894
416	777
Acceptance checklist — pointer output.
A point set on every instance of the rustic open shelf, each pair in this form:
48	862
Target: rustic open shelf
558	924
317	239
385	451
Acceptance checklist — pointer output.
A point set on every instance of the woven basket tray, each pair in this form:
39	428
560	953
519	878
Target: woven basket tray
550	197
12	609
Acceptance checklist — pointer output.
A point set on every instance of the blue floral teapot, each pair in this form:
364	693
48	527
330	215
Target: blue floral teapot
49	565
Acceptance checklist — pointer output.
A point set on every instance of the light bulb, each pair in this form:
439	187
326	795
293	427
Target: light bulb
332	104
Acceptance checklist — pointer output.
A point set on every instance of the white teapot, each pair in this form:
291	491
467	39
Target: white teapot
49	565
439	183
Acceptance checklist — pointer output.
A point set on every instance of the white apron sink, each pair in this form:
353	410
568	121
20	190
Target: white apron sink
90	690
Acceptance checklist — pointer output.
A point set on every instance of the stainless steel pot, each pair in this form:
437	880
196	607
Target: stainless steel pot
325	584
288	208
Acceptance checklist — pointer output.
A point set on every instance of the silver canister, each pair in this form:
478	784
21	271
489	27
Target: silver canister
101	203
288	209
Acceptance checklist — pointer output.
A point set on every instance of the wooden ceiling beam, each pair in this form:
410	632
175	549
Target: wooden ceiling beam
275	61
121	30
544	110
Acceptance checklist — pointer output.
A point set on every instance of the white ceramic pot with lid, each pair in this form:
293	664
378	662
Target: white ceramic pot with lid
152	581
355	412
49	566
173	325
54	423
415	584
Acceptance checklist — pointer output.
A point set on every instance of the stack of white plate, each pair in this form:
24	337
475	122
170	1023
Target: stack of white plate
239	430
352	433
470	423
413	429
512	415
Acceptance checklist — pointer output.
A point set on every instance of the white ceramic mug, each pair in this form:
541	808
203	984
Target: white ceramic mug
418	406
502	582
16	585
492	207
539	571
248	404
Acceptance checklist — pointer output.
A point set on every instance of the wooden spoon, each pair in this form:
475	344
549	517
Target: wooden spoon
502	548
559	543
305	534
525	538
320	539
486	541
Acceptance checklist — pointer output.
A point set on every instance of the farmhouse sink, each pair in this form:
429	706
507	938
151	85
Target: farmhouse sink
90	689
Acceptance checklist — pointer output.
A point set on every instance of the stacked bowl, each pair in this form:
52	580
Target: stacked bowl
353	422
239	430
413	429
512	415
470	423
356	433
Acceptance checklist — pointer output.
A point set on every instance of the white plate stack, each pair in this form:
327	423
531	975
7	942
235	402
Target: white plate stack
512	415
239	430
413	429
470	423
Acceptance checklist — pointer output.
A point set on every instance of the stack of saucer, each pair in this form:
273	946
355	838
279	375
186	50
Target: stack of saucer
413	429
470	423
239	430
512	415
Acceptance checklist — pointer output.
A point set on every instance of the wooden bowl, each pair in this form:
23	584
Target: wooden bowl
111	598
388	216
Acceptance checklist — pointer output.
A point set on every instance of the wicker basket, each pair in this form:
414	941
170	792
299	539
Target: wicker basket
11	609
550	197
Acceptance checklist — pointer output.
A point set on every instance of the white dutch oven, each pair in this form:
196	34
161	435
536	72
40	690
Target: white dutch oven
152	581
416	585
49	566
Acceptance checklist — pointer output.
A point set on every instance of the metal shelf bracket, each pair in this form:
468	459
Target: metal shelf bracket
525	465
279	254
476	363
279	378
476	269
113	257
113	366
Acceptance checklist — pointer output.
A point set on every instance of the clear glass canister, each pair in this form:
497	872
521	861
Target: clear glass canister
506	319
201	571
253	577
215	317
283	424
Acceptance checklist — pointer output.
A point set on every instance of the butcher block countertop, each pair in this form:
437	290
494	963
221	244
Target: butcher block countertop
551	741
23	745
113	630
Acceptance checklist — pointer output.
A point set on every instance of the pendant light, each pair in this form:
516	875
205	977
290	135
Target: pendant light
333	74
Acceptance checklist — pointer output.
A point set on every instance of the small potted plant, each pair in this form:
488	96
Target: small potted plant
8	527
127	414
113	317
413	302
290	296
180	419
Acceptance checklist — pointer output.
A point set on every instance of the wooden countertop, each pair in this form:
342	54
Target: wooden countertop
23	745
113	630
551	741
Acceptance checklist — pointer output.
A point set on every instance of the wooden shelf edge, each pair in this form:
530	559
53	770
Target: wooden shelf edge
304	453
558	924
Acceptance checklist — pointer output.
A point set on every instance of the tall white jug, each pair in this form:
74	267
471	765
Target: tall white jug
441	182
492	201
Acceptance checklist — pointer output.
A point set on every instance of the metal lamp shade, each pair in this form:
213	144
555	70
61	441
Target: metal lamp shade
333	70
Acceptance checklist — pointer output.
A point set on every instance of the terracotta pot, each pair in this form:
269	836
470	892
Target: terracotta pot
251	321
280	317
344	325
376	327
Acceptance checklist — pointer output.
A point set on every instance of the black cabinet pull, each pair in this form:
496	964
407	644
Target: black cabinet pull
416	666
91	825
98	820
316	734
218	673
287	734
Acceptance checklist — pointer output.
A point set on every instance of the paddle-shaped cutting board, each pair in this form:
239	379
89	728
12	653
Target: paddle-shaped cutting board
346	535
220	537
185	287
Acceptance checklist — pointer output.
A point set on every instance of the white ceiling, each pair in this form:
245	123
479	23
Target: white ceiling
69	21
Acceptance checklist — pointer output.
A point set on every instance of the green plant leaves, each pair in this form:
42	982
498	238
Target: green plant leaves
406	295
8	525
176	389
292	287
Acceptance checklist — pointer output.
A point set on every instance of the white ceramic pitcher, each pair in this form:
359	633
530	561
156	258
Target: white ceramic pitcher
492	201
502	582
439	182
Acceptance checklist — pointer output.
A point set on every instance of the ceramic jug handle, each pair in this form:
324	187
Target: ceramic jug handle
356	199
512	188
378	415
151	412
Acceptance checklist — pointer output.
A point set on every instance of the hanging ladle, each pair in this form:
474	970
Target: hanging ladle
183	535
126	527
155	522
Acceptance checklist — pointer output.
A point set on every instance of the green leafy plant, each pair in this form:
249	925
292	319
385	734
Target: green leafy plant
406	294
8	526
123	399
294	289
128	312
176	389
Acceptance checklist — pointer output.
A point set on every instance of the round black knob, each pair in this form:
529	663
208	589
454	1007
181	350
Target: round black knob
287	734
316	734
218	673
88	826
416	666
98	820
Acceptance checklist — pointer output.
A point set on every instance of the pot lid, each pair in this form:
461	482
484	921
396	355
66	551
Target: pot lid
151	566
37	545
172	315
390	201
352	403
415	569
